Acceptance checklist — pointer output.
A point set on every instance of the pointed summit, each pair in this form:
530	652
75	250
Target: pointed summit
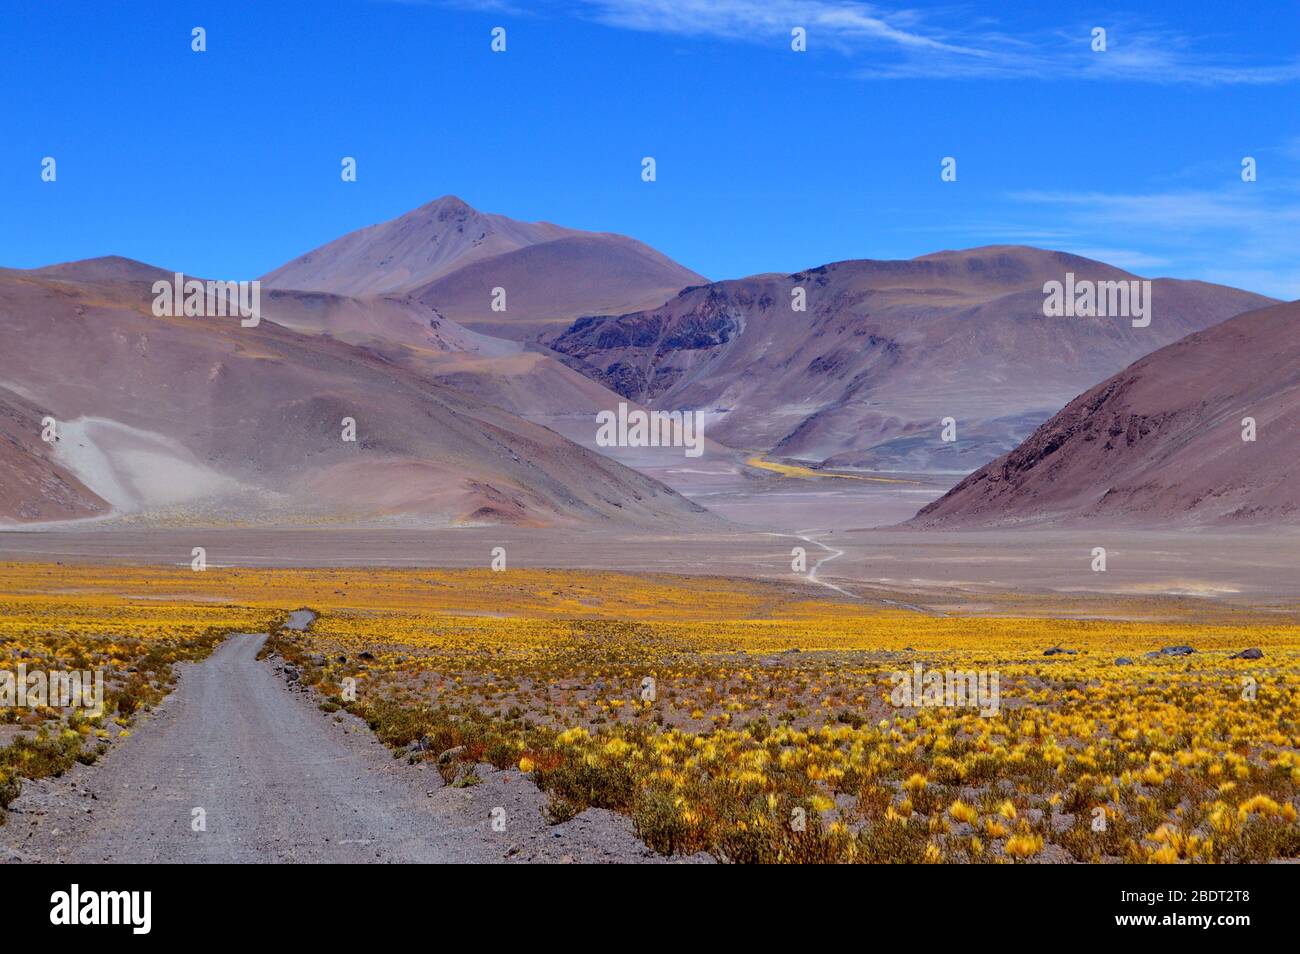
448	204
451	256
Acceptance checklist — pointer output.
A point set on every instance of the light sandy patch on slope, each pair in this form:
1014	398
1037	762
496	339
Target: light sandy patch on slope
134	469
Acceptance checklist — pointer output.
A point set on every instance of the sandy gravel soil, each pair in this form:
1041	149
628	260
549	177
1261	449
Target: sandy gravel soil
1235	567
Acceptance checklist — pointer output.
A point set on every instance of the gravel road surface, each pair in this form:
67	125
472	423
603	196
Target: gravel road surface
278	780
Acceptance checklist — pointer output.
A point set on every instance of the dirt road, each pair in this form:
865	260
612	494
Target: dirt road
262	771
277	780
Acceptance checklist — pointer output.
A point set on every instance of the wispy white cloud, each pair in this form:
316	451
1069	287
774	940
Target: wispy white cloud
763	19
1246	234
1251	206
948	43
1266	281
1291	148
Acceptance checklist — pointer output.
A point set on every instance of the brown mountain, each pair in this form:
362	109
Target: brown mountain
202	420
378	320
549	284
530	382
451	257
1160	443
884	352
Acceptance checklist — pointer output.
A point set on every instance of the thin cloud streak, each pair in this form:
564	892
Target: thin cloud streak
1247	236
925	49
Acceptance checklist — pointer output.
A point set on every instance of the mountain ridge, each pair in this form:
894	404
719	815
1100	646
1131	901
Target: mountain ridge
883	353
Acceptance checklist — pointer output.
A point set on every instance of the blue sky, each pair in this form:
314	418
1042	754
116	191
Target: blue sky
226	163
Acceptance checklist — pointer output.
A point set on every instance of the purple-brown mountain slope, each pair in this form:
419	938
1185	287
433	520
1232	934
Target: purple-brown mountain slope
550	284
534	384
377	320
1160	443
33	487
884	352
451	257
202	420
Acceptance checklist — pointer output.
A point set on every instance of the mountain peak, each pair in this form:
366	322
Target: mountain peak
443	207
552	272
1006	261
448	201
104	268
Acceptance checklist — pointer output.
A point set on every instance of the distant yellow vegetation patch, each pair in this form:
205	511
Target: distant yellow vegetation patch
795	470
